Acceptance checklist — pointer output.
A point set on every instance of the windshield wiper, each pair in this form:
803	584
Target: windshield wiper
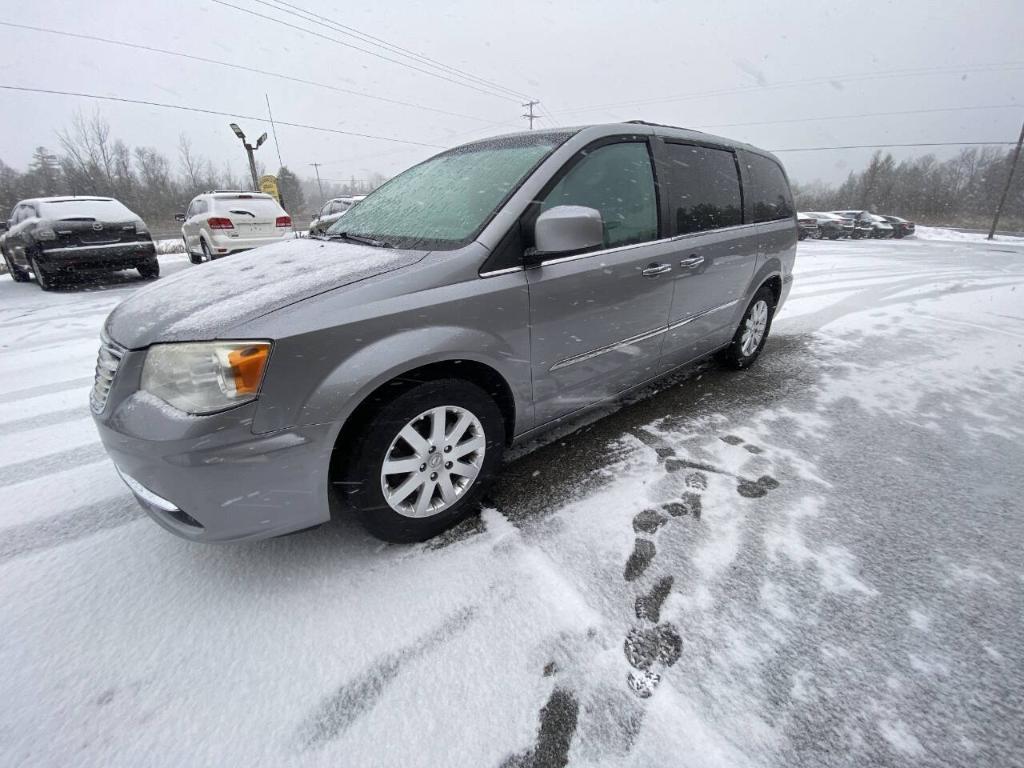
359	239
238	210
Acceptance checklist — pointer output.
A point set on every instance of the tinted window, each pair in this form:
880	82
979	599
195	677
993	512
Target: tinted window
768	195
258	207
85	208
704	189
617	180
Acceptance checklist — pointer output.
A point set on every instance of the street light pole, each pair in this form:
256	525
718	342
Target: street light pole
249	150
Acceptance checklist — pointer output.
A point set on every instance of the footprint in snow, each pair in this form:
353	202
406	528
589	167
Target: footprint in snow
645	649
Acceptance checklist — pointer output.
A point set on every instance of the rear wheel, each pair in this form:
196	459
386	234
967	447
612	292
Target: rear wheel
423	460
207	256
43	278
752	333
150	269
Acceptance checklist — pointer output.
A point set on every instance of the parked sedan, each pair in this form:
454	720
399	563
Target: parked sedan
900	227
50	236
331	212
807	226
867	224
831	225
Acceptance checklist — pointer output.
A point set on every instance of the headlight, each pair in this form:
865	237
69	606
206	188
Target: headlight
205	377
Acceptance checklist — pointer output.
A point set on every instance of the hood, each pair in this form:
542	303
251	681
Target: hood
206	301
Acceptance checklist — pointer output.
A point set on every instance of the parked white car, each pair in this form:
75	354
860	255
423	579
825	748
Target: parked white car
331	212
224	222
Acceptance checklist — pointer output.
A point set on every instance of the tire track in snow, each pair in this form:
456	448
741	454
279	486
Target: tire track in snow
76	524
54	462
337	713
45	389
48	419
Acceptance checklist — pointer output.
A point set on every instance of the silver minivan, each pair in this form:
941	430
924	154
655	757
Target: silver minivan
471	302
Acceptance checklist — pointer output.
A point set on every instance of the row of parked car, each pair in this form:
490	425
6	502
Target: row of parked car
49	237
852	224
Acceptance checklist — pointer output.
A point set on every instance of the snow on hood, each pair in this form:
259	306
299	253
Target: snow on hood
206	301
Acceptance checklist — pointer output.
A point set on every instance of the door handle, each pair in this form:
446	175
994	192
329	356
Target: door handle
653	270
692	261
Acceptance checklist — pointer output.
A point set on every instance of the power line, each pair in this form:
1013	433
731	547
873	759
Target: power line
357	48
885	146
863	114
831	80
124	100
392	47
231	65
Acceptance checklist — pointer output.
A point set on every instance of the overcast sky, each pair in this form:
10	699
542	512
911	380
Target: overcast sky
569	55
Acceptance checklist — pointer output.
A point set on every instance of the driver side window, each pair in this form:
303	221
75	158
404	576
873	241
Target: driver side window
618	181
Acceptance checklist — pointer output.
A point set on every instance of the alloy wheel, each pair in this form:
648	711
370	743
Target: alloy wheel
754	327
433	461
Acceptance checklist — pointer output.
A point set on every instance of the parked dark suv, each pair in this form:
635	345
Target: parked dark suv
471	302
49	236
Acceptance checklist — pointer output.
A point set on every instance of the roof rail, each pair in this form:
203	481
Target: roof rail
234	191
661	125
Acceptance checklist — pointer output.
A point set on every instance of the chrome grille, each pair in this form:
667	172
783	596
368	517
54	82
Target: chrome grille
107	362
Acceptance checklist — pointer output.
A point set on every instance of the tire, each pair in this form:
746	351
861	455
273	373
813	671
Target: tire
150	269
207	256
43	278
833	235
738	355
362	472
191	256
18	275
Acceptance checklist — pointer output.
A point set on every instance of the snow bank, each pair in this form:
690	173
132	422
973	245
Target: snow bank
941	233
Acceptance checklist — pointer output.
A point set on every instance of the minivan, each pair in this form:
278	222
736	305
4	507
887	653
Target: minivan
471	302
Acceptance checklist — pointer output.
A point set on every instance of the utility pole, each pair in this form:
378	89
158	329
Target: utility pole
316	167
249	149
529	115
1006	189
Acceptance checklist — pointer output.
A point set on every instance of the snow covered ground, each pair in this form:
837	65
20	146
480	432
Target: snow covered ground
816	562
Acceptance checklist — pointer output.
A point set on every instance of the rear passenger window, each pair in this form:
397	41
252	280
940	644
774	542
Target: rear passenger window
617	180
704	189
768	195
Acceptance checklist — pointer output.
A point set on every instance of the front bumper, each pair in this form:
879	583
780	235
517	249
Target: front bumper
209	478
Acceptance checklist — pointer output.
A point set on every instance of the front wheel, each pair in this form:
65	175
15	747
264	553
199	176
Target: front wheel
149	269
18	275
424	459
749	339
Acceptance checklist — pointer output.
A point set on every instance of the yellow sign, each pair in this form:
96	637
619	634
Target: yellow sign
268	186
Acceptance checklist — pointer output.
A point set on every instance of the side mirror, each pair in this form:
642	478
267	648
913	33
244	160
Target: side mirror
179	217
565	229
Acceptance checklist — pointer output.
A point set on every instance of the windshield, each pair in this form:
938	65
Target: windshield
445	201
104	210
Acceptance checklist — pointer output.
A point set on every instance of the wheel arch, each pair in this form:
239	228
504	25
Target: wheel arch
467	369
